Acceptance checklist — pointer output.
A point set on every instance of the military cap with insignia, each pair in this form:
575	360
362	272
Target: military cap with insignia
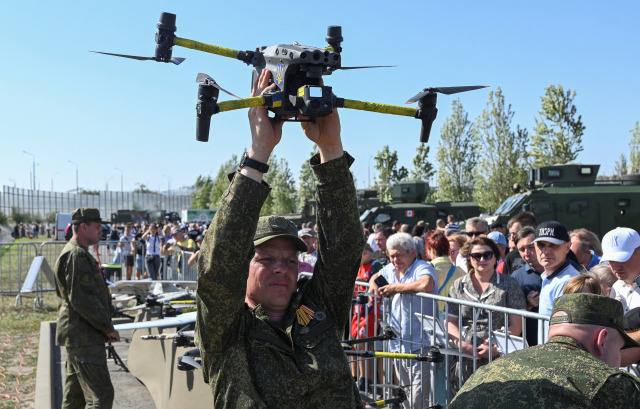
592	309
85	215
271	227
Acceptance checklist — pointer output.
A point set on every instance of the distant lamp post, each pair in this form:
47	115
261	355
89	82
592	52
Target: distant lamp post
34	168
121	180
14	182
76	176
52	180
169	184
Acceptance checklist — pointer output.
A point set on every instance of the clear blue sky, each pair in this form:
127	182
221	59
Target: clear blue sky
62	103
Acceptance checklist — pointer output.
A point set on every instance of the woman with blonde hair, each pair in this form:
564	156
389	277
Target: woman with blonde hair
584	283
456	242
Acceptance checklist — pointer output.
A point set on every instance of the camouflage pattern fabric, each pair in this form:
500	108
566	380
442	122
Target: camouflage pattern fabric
84	311
87	382
559	374
248	361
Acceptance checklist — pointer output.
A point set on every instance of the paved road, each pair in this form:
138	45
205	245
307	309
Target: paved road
130	393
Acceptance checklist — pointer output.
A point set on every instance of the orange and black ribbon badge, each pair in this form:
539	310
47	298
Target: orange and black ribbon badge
304	315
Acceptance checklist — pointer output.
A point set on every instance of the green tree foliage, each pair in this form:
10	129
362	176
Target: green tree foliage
221	182
422	168
91	192
502	153
456	157
142	188
386	163
3	218
201	195
620	168
634	145
557	137
283	188
306	181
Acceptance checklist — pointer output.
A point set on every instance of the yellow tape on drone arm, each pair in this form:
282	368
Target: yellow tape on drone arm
394	355
241	103
381	108
207	48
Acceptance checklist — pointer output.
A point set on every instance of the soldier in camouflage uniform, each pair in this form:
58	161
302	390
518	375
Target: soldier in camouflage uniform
84	316
577	368
265	342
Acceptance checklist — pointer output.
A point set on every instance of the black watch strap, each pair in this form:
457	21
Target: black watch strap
253	164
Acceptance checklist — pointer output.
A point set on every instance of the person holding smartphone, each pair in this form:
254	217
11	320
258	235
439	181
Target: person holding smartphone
154	242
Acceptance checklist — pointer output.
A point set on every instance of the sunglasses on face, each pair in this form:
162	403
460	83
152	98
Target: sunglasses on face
487	255
474	233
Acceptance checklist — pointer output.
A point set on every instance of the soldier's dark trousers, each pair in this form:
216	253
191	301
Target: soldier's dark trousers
88	381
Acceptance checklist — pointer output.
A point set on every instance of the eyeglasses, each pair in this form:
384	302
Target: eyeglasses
474	233
487	255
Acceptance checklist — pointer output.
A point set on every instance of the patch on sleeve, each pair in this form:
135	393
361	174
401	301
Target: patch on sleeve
86	280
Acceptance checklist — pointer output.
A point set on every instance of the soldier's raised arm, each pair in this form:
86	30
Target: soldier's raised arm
227	249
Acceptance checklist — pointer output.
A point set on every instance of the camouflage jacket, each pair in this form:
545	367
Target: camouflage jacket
248	361
84	302
558	374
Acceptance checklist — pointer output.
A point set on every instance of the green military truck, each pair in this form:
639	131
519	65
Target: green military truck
571	195
407	206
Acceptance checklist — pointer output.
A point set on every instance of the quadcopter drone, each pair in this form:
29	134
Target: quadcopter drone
297	71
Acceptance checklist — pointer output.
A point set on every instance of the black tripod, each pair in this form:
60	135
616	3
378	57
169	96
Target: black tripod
112	354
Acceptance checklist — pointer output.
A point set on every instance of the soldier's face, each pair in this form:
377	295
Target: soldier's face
92	232
273	273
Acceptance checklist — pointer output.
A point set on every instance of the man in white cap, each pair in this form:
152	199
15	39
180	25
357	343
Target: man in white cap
620	249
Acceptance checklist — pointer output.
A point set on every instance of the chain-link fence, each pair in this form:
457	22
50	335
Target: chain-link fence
37	203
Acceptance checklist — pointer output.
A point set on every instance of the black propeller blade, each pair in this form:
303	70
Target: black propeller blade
202	77
368	66
175	60
444	90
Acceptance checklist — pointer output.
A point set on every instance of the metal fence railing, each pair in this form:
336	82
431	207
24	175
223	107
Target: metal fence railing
419	329
41	203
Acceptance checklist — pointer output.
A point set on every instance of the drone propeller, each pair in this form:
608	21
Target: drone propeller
444	90
368	66
202	77
175	60
191	361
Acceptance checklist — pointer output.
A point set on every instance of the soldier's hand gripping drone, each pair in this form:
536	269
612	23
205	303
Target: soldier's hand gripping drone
296	70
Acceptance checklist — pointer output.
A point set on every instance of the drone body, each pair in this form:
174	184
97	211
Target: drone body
297	71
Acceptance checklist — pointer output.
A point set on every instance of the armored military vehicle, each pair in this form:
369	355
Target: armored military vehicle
407	206
571	195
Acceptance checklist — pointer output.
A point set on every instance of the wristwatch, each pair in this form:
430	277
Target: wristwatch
253	164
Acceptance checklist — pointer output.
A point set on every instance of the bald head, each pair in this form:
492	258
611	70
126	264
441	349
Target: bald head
603	343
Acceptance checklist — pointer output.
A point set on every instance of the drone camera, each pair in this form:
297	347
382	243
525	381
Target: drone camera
165	36
207	106
314	100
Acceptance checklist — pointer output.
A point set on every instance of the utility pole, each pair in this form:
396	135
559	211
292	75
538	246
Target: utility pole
34	168
52	180
76	176
121	180
169	184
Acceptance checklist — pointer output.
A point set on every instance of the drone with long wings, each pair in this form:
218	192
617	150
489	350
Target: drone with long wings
297	71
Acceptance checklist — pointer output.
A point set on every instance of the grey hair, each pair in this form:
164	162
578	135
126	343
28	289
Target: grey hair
400	241
477	220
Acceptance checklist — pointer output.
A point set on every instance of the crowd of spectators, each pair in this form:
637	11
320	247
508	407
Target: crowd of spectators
524	265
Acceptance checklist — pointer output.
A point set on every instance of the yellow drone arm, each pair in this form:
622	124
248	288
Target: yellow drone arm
381	108
207	48
241	103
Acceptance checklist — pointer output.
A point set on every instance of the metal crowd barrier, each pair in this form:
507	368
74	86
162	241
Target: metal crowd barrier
432	332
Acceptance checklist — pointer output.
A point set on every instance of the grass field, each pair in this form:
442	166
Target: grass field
19	336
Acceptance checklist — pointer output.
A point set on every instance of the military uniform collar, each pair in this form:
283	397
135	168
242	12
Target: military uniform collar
560	339
74	242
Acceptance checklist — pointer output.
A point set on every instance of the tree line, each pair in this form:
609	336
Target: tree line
477	161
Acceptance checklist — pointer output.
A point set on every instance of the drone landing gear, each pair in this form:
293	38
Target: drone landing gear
112	354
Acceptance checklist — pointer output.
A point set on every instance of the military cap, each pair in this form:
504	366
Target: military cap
270	227
592	309
85	215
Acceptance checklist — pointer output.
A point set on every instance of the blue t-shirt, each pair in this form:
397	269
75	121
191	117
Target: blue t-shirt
553	285
404	307
595	260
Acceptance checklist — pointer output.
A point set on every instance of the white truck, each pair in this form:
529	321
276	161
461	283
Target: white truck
62	221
